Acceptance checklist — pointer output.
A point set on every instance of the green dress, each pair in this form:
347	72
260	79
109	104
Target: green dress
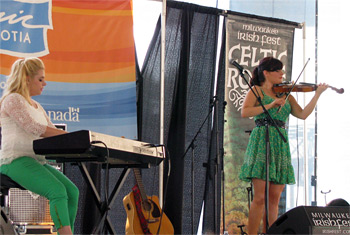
281	169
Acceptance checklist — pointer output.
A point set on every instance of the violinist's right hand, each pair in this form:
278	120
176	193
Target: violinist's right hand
278	102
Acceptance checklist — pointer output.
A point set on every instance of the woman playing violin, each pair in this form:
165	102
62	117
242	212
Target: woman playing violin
281	172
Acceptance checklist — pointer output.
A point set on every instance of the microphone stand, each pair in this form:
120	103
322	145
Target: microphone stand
192	146
267	139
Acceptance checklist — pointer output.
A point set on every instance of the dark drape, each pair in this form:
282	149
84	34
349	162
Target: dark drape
214	190
191	42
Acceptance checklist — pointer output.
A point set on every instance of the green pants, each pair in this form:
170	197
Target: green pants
48	182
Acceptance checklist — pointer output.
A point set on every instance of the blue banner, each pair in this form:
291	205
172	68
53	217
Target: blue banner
23	27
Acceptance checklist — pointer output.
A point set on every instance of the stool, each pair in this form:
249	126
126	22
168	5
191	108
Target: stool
5	184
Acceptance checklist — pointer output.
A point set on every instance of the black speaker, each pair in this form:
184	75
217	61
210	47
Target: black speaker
313	220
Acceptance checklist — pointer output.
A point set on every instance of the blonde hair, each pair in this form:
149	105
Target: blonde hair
17	80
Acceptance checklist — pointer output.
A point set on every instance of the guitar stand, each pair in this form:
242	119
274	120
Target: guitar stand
104	206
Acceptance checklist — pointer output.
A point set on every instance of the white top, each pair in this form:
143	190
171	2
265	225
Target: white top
21	123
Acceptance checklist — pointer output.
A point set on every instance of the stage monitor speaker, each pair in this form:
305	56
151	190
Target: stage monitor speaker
26	207
313	220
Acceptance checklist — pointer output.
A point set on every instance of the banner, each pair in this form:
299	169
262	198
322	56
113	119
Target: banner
248	40
88	50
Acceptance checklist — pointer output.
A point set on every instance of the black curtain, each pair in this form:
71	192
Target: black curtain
213	219
190	57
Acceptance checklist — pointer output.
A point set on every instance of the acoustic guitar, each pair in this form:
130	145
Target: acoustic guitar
144	215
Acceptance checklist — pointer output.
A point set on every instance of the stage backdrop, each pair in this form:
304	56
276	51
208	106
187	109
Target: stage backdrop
88	50
248	39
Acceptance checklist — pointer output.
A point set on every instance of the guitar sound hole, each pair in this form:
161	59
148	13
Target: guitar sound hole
156	211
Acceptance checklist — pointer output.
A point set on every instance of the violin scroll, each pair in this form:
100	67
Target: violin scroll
338	90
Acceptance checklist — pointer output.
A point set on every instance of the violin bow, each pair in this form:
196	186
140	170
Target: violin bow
294	83
298	77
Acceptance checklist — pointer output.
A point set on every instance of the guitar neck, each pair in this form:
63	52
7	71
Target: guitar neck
138	178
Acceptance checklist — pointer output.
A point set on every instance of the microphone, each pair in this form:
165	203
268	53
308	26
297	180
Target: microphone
238	66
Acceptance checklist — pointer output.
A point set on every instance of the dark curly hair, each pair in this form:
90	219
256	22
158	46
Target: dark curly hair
269	64
338	202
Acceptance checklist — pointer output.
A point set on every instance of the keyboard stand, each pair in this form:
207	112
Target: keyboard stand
103	207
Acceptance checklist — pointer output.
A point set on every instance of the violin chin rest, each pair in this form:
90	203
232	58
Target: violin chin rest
279	95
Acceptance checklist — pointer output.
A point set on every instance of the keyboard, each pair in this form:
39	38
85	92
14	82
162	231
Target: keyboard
86	145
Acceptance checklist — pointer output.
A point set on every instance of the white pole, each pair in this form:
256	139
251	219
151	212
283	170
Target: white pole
306	165
161	100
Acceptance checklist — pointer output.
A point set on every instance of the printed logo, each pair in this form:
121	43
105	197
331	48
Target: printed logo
72	115
23	27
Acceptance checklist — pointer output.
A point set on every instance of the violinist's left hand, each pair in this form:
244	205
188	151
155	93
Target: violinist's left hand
321	88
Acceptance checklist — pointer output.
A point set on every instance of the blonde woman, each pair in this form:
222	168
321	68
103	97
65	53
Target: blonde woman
23	120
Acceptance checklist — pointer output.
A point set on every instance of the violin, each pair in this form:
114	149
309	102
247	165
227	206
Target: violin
302	87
